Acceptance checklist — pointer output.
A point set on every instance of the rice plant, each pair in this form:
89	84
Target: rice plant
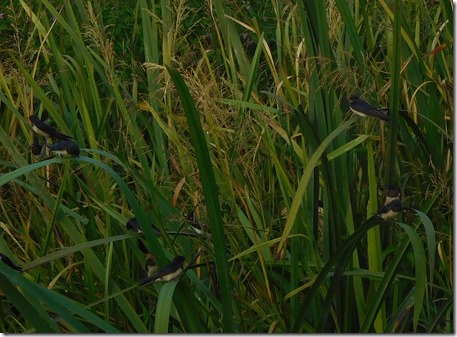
227	126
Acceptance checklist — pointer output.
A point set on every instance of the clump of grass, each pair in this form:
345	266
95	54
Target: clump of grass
178	112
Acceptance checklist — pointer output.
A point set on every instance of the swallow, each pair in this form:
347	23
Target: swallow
364	109
391	210
392	193
167	273
198	228
6	260
151	265
46	130
36	146
133	225
65	148
191	218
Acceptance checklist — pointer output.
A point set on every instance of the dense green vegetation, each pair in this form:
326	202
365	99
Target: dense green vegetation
235	112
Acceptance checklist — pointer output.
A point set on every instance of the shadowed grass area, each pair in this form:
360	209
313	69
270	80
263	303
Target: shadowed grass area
233	118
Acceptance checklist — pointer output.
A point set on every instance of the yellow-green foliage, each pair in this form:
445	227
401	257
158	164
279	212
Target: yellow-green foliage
237	113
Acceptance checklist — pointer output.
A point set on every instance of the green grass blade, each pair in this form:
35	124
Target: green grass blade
420	263
33	311
343	253
56	302
431	242
163	308
420	279
374	235
305	179
395	94
73	249
210	191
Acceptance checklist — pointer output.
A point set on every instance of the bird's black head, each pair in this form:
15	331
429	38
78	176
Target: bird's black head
6	260
36	146
352	98
132	224
36	149
150	260
73	149
392	190
178	259
33	118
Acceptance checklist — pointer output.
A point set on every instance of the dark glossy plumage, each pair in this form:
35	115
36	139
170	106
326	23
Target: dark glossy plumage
6	260
151	265
36	146
364	109
46	130
133	225
391	210
392	193
65	148
169	272
196	225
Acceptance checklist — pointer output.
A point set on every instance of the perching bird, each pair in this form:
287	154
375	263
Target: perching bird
6	260
191	218
167	273
391	210
65	148
36	146
151	265
364	109
133	225
46	130
392	193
